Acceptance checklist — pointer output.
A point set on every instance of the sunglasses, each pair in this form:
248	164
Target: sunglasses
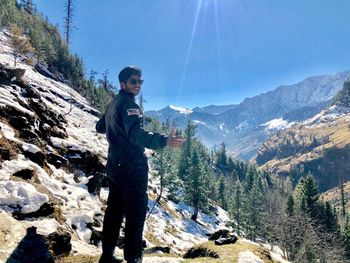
135	81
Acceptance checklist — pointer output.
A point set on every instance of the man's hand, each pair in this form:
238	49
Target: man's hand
174	141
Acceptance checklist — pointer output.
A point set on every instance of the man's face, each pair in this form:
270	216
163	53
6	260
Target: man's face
133	85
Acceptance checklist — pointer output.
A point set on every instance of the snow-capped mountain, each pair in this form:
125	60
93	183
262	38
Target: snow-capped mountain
245	126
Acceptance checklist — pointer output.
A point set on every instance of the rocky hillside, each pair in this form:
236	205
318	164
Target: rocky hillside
245	126
52	163
320	145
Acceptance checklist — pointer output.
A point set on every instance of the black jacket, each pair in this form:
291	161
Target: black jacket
122	123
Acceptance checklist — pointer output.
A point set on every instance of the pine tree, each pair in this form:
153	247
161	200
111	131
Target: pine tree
254	208
249	178
290	205
68	21
343	96
186	149
230	165
237	209
222	190
342	195
222	158
308	196
196	182
329	218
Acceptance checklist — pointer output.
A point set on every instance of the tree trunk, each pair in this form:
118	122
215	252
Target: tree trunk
195	214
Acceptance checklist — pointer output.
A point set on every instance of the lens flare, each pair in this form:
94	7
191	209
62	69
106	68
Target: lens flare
189	49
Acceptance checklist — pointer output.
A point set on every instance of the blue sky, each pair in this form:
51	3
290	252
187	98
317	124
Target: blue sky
203	52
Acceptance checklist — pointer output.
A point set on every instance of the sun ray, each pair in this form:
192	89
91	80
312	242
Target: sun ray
189	49
218	43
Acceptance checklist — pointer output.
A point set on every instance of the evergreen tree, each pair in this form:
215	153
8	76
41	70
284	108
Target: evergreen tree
222	195
290	205
254	208
196	182
230	165
237	208
68	21
342	195
343	96
249	178
222	158
329	218
308	196
186	149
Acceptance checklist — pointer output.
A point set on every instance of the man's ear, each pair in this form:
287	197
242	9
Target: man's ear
122	85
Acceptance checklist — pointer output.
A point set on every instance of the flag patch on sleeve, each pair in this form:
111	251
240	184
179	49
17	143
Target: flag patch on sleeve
133	112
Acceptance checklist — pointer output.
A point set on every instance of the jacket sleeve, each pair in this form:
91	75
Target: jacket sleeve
101	125
132	116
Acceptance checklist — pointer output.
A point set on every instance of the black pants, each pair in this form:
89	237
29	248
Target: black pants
127	197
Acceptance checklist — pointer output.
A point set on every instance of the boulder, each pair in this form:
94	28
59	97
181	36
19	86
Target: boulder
56	159
219	234
10	73
4	154
29	136
13	116
196	252
19	122
15	73
39	67
226	241
25	174
45	210
59	243
37	157
154	250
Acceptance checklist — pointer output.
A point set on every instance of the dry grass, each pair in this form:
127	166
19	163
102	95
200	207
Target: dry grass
166	207
12	147
229	253
77	259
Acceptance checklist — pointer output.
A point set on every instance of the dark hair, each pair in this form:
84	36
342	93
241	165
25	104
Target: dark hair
126	72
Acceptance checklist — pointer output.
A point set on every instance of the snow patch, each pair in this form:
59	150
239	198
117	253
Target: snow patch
44	226
21	194
277	124
180	109
331	114
199	122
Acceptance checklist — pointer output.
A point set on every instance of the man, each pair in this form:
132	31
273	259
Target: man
127	168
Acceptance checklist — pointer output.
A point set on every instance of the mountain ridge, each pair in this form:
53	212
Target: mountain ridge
233	124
